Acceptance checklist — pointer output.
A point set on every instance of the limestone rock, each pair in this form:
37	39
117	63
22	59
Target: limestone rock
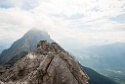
48	64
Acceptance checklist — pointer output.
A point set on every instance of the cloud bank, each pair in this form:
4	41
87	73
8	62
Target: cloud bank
68	22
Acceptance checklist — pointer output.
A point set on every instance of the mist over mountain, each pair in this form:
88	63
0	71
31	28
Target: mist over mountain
30	39
107	59
25	44
113	54
1	48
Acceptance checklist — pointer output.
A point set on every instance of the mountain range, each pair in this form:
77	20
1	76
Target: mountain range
47	64
96	78
27	44
106	59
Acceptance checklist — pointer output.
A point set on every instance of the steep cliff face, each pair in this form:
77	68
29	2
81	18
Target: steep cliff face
48	64
25	44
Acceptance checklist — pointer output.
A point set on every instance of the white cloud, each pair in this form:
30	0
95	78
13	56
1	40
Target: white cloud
53	16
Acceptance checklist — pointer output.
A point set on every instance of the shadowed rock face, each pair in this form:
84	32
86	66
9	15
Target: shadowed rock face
48	64
25	44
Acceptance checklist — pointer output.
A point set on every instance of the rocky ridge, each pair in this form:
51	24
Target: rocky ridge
25	44
47	64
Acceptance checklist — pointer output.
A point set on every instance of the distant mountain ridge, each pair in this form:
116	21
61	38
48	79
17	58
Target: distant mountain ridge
30	41
26	44
32	60
106	59
2	47
96	78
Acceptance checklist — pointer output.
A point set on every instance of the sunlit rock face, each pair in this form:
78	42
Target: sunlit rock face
47	64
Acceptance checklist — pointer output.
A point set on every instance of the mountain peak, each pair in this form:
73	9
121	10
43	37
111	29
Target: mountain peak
35	30
47	64
37	33
25	44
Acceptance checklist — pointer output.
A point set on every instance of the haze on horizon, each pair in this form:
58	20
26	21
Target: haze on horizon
69	22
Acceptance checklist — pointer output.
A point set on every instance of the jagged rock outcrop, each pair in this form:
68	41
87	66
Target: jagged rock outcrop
48	64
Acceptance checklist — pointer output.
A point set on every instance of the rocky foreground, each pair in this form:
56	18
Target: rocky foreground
48	64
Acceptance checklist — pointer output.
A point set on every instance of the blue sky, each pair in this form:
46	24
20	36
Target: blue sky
83	22
5	5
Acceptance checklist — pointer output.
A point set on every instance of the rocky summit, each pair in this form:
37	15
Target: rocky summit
47	64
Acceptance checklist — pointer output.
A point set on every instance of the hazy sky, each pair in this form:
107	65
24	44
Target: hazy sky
67	21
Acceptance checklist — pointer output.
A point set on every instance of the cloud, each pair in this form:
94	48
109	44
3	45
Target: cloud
119	18
81	21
